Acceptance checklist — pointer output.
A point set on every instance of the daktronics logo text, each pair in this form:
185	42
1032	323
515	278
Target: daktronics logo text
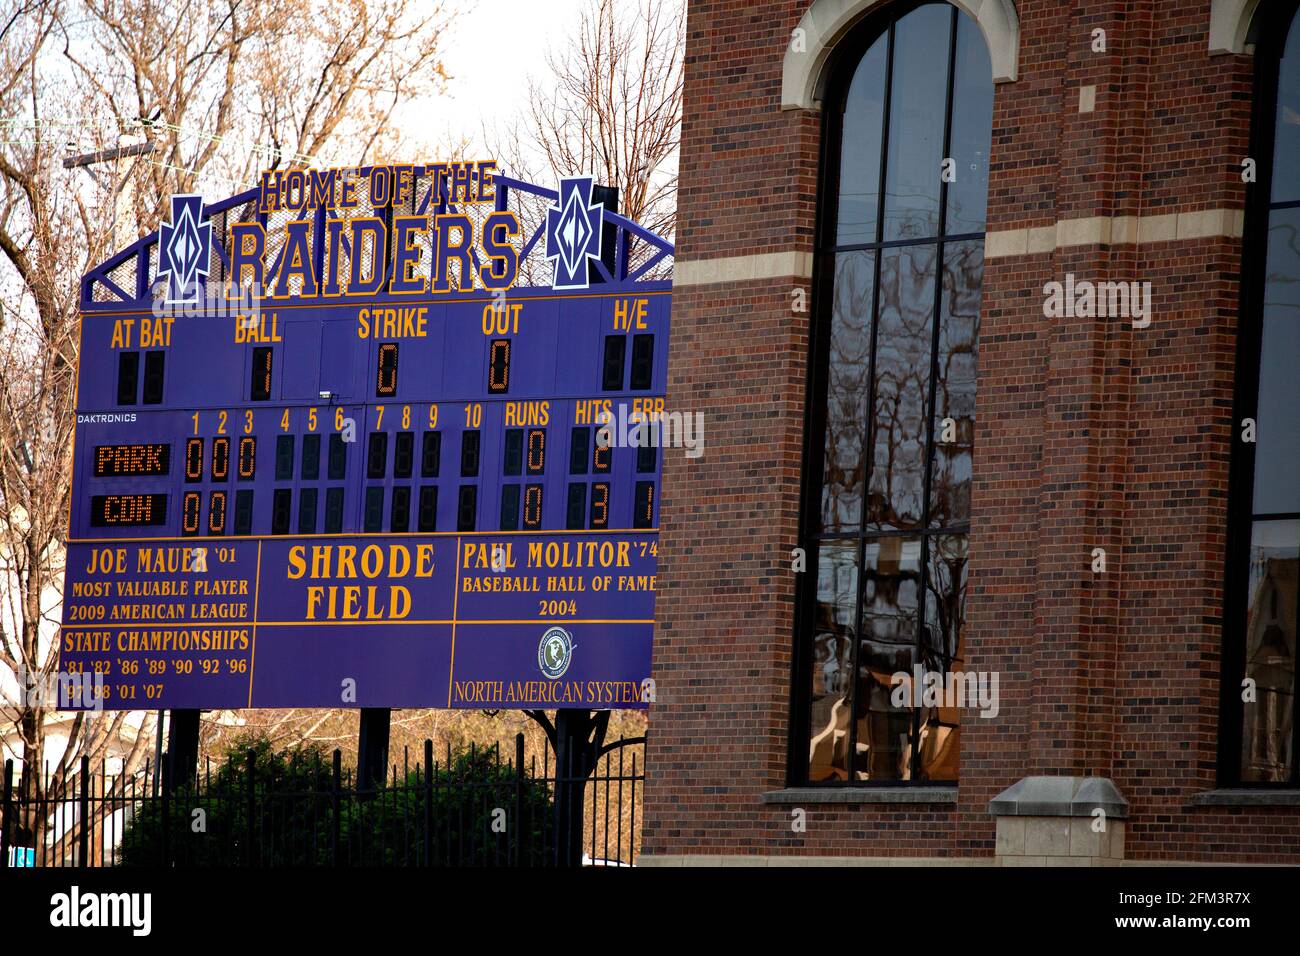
106	418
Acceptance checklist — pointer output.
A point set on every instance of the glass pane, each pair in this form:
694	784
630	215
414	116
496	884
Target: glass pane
972	123
1266	750
917	103
891	574
844	466
1277	452
903	344
942	652
864	112
1286	173
833	635
954	389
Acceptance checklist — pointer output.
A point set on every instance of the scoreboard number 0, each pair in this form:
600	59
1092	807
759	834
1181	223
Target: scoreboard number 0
499	367
386	373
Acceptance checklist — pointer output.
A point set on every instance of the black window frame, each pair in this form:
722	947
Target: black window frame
1270	31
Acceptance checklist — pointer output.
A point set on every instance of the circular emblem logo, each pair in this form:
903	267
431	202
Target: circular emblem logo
554	652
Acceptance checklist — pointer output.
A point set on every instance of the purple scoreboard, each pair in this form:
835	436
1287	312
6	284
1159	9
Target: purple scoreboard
339	443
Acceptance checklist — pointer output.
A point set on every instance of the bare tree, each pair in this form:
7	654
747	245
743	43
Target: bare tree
222	88
611	106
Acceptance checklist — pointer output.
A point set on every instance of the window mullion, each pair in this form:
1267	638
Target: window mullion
868	452
928	459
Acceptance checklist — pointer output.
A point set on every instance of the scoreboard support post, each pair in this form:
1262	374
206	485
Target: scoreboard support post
372	747
578	736
606	196
182	750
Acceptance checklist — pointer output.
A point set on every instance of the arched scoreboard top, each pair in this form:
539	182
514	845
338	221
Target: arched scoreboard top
634	258
339	443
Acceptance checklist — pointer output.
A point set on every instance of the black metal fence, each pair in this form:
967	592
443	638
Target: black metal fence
475	807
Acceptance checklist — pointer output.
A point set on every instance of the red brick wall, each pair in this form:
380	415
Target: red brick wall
1090	434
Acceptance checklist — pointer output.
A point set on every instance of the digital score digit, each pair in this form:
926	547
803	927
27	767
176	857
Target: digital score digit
386	372
247	458
499	367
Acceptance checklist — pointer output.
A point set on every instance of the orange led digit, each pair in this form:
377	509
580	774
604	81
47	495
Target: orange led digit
247	457
220	459
600	504
386	376
190	513
536	450
533	506
194	459
499	367
217	513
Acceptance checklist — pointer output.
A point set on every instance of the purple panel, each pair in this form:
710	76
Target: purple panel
305	621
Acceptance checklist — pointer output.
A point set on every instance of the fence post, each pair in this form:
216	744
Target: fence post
252	769
83	839
4	813
428	802
166	815
338	787
522	827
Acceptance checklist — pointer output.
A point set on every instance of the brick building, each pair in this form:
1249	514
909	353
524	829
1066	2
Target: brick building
1079	502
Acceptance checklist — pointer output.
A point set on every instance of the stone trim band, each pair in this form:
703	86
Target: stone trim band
998	244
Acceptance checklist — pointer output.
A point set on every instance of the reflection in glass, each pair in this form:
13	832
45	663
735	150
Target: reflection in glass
891	586
1266	752
972	125
1277	449
917	107
938	745
864	112
832	641
844	467
887	449
1286	173
954	387
904	333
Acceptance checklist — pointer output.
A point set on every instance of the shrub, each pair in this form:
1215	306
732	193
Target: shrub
294	811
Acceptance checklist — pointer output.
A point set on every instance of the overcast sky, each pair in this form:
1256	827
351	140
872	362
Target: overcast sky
519	33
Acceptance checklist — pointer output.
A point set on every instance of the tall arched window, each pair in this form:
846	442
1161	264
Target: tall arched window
1258	742
891	397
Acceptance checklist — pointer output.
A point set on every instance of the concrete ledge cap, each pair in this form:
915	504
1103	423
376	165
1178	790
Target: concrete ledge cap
1060	797
862	795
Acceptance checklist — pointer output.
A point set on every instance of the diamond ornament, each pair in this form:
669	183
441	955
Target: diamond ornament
573	230
183	246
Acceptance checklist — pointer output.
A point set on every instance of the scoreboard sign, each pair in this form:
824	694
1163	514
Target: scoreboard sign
339	443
